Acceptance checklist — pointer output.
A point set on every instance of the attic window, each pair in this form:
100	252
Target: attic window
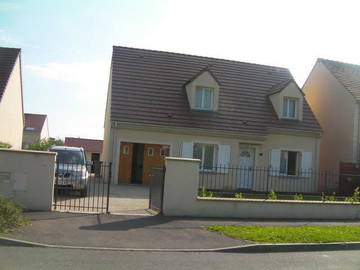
204	98
290	106
29	128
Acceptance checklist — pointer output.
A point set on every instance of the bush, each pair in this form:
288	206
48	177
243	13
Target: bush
43	144
355	197
298	197
272	195
331	198
205	193
239	196
5	145
10	215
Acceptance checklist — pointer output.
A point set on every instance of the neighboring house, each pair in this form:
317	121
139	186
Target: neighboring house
36	128
220	111
11	97
93	148
333	92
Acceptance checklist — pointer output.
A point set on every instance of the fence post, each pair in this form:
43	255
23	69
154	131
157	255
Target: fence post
108	190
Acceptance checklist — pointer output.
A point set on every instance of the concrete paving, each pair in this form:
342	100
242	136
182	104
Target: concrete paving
138	232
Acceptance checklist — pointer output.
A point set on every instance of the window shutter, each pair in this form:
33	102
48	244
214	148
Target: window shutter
187	150
306	163
223	158
275	157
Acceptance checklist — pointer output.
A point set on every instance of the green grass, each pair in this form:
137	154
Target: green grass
298	234
10	216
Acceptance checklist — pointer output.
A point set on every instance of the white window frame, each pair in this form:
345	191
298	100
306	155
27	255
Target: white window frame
203	88
215	153
126	149
150	152
298	162
29	128
288	108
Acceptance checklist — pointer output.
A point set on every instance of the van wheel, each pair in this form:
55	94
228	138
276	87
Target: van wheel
83	192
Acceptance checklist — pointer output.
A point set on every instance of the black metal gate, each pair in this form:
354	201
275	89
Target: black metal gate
82	187
156	190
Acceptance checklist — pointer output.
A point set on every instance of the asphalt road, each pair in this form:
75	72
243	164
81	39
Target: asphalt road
47	258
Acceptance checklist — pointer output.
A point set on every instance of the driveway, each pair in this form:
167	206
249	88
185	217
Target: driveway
129	199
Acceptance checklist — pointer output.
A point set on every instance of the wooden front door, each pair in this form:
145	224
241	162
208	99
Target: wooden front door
154	155
125	162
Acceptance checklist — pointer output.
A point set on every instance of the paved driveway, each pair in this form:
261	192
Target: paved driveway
129	199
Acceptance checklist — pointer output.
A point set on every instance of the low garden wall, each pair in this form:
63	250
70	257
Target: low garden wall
27	177
181	199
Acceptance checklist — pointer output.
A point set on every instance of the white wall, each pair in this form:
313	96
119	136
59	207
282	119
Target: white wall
28	177
181	190
11	110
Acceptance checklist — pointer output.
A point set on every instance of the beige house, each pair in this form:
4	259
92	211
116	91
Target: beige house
333	92
36	128
11	97
226	113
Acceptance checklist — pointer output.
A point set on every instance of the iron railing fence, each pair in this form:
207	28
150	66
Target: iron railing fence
156	188
232	179
82	187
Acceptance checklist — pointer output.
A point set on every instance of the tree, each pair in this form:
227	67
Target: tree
44	144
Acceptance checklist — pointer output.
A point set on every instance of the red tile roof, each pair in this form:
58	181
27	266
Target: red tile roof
34	121
88	144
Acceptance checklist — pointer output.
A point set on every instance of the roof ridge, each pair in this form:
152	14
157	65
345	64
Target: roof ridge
200	56
339	62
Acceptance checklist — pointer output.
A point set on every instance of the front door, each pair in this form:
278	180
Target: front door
137	164
245	173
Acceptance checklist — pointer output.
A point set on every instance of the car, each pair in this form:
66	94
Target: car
71	172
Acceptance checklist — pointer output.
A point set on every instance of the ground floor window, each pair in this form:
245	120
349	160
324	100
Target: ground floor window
289	163
206	153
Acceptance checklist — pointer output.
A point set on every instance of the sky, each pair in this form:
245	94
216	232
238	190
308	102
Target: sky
67	44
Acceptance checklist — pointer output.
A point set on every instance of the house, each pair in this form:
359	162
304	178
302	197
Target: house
11	97
333	92
93	148
36	128
221	111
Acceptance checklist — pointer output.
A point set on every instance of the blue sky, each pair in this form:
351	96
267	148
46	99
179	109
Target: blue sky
67	45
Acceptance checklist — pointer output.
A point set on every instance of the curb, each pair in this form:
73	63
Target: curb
252	248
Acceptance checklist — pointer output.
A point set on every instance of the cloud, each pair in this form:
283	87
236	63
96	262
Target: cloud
86	77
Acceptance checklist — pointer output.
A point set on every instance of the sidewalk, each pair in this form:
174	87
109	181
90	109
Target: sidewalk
136	232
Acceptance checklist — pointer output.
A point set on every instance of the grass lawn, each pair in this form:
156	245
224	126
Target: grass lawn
299	234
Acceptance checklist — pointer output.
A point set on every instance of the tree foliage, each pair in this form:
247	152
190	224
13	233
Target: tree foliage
44	144
5	145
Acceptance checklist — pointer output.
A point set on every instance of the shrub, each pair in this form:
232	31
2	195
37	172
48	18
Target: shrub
239	196
43	144
10	215
5	145
272	195
355	197
298	197
325	198
205	193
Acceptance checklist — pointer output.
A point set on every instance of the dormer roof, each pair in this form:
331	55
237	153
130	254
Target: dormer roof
282	85
205	69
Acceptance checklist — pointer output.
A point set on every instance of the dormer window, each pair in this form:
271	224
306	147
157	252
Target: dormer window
204	98
290	107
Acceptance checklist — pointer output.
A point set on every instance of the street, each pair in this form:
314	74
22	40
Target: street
48	258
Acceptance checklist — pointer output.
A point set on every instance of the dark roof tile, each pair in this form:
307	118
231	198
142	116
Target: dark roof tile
8	58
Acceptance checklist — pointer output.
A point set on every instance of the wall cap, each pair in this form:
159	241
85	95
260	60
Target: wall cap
183	159
275	201
27	151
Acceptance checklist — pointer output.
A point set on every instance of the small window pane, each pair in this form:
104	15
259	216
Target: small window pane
292	160
285	107
207	98
209	157
198	97
197	151
292	105
150	152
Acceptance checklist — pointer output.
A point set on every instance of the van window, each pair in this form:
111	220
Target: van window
65	156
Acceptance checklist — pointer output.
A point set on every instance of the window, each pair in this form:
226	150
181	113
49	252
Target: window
289	162
206	153
29	128
204	98
162	152
290	108
150	152
126	150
